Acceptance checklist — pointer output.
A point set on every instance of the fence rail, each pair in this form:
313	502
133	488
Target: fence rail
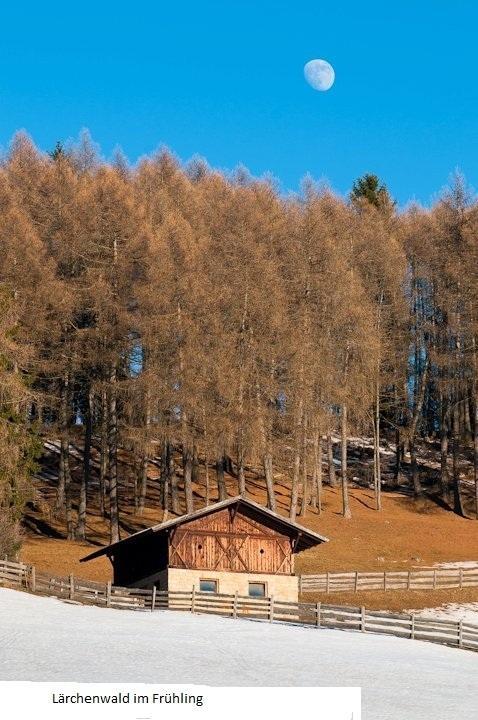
434	579
447	632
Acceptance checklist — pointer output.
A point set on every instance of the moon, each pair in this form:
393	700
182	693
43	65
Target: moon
319	74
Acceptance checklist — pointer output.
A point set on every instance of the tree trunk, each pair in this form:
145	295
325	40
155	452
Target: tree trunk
457	498
113	458
318	468
137	473
269	478
64	476
345	490
467	420
377	462
398	438
164	477
103	452
315	450
376	421
294	494
61	489
417	486
398	456
241	480
330	460
241	477
305	480
187	474
195	471
221	483
207	481
419	399
143	485
65	472
444	477
266	454
85	479
173	482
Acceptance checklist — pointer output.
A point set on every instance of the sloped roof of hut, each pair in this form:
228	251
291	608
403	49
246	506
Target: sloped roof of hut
303	537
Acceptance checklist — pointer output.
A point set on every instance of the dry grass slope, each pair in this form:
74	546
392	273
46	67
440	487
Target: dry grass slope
407	534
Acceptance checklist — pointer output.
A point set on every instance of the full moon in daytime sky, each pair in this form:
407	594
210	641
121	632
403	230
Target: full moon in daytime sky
319	74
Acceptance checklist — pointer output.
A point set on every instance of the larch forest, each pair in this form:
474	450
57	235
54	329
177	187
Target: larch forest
215	324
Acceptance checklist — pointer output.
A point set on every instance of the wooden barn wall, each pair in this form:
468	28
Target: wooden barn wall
229	542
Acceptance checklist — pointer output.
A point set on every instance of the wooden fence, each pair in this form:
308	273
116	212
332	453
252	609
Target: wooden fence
447	632
434	579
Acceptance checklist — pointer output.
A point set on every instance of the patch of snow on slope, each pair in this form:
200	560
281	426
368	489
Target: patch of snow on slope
468	612
456	565
459	564
362	442
44	639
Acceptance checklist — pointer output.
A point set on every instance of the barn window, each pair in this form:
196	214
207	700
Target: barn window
208	586
257	589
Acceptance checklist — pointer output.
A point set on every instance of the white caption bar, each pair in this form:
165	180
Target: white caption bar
127	701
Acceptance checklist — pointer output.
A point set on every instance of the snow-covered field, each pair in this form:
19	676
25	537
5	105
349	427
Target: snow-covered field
44	639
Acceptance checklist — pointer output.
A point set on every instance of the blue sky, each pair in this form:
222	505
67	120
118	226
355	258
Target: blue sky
225	80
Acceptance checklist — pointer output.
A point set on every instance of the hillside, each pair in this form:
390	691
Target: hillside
408	532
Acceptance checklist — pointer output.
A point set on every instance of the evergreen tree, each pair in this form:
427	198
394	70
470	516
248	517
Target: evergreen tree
368	189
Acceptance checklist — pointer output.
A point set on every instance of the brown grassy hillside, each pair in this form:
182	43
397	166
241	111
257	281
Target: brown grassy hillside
407	533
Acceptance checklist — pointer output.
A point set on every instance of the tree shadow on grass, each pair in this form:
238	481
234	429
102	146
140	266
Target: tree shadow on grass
41	527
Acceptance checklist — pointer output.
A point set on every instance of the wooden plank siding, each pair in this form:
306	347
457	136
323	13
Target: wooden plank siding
229	541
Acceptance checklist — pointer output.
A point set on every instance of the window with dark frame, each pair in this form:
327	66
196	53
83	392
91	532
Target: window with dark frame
257	589
209	586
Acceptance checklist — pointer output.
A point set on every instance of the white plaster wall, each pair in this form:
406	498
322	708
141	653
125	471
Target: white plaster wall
281	587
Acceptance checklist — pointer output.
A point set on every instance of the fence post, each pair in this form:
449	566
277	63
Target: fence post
72	586
153	598
356	581
434	579
234	606
461	578
33	580
300	584
327	581
193	599
108	593
384	581
460	633
317	614
412	626
271	608
362	618
408	580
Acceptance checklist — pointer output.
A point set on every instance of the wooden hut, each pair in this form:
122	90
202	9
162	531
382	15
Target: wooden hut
232	546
